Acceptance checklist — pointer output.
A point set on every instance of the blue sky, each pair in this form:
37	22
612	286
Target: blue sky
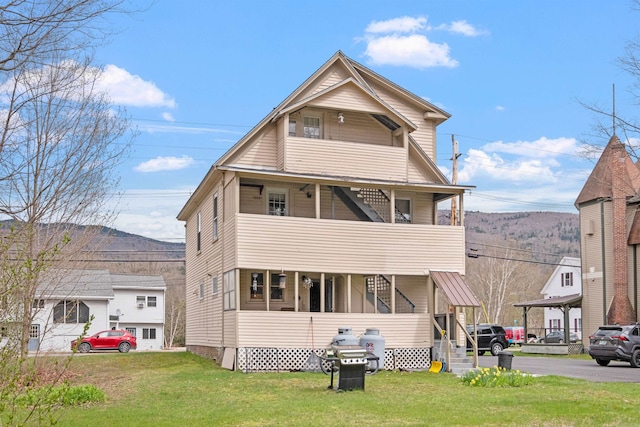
195	76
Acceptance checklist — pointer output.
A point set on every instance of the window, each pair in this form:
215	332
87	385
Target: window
277	203
215	217
34	332
141	300
148	333
403	211
554	324
38	303
214	285
229	289
276	292
292	128
70	312
566	279
152	301
201	290
198	236
311	127
132	331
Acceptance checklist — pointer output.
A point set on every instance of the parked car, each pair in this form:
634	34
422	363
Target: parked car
557	337
111	339
490	338
615	342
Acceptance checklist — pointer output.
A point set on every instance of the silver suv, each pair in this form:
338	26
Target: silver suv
615	342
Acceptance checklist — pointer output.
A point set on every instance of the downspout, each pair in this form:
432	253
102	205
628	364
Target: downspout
604	264
635	279
222	243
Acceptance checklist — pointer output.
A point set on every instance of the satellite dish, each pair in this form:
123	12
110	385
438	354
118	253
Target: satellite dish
118	313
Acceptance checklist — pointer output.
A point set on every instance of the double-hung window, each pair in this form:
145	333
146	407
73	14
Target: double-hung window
198	224
403	211
229	290
311	128
215	217
567	279
277	203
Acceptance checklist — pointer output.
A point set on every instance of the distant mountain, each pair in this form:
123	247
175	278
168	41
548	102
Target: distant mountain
548	236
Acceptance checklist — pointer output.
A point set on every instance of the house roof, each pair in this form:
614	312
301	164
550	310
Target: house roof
634	232
599	185
571	301
92	284
351	74
455	288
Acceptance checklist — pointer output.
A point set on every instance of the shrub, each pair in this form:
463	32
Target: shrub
496	377
63	395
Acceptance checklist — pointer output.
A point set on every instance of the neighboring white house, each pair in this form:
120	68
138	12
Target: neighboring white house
565	280
121	301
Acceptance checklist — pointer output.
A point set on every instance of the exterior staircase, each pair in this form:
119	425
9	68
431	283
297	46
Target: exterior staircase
459	362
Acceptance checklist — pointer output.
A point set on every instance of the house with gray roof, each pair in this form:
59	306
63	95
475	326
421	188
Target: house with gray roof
68	299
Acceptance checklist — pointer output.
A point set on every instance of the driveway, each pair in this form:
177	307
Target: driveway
575	368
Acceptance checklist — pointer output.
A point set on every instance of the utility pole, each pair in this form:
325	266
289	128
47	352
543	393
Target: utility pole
454	181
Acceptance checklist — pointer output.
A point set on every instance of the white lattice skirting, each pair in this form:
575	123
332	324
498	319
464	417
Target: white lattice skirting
271	359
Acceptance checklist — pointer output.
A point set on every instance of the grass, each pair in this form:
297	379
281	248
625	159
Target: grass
181	389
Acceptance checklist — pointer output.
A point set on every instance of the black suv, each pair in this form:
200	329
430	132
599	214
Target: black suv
490	338
615	342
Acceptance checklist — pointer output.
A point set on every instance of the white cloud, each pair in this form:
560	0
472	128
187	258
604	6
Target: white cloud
414	51
499	108
462	27
543	147
128	89
168	116
481	165
152	213
402	42
405	24
160	164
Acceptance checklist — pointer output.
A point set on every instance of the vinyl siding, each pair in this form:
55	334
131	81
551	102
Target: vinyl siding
270	242
341	158
591	257
261	151
349	97
293	330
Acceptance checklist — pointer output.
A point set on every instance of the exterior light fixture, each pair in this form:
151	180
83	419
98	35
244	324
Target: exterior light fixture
340	118
254	282
307	282
283	279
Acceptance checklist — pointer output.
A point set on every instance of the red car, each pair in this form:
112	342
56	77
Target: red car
120	340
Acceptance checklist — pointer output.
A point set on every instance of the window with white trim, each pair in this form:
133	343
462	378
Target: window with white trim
292	128
403	211
566	279
311	128
199	230
152	301
277	200
141	299
70	312
215	217
276	290
132	331
554	324
148	333
214	285
229	290
201	290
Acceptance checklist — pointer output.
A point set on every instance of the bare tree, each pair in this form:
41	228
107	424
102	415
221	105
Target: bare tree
500	276
60	142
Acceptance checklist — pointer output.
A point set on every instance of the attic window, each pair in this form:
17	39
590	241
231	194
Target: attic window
386	121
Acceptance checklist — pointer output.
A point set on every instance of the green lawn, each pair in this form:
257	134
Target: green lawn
181	389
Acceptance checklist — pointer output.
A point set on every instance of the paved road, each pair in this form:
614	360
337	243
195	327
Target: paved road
575	368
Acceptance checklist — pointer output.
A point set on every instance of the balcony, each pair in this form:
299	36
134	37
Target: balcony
352	247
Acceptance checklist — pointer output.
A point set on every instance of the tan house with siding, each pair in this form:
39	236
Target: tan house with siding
324	216
609	208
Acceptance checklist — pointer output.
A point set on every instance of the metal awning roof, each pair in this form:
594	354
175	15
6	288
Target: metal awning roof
572	301
455	288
